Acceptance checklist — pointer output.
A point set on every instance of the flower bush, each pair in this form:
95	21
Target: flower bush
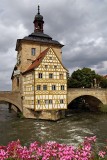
53	151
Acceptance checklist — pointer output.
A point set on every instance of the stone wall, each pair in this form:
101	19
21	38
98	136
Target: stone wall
45	115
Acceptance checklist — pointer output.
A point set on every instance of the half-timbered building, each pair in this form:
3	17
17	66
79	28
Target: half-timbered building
39	73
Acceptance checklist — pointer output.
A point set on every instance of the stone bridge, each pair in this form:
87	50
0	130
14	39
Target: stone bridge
13	98
92	96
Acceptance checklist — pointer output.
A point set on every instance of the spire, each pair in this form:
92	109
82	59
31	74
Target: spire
38	9
38	22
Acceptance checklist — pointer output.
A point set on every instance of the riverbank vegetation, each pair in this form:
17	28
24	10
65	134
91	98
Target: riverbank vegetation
87	150
86	78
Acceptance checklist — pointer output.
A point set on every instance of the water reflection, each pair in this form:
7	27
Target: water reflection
71	130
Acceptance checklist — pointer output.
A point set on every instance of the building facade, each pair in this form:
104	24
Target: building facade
39	74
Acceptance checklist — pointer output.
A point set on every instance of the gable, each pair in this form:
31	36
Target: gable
51	62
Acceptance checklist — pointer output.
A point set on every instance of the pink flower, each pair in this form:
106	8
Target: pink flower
3	154
90	139
102	154
51	151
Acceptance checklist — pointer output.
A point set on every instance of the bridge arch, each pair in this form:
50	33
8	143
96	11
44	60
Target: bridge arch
94	97
12	98
85	102
12	103
87	95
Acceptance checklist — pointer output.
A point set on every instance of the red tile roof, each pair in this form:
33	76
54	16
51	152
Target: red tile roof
37	61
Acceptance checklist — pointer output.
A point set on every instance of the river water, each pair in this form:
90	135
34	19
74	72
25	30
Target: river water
70	130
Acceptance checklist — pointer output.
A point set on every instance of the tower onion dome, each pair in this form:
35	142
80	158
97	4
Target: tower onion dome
38	22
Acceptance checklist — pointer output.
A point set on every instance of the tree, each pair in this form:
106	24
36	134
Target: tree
103	83
84	78
73	83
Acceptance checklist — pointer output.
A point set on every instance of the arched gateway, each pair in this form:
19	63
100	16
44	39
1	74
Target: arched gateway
13	98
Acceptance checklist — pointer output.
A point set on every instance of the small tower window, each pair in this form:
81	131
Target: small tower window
33	51
17	81
39	26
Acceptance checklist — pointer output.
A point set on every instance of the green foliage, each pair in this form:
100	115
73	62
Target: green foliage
86	78
73	83
82	78
103	83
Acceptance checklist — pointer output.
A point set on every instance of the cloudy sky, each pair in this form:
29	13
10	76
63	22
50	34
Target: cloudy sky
81	25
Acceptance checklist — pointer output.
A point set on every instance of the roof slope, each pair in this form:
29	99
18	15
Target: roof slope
38	37
41	37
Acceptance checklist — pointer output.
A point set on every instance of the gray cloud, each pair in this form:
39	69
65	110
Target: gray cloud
80	25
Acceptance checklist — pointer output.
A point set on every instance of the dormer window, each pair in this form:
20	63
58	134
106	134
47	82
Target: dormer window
33	51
